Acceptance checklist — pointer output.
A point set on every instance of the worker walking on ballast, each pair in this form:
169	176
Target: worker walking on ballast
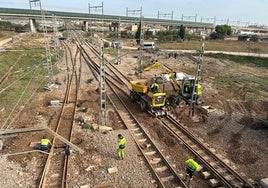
191	167
121	147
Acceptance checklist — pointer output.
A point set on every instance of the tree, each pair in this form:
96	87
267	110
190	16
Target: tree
182	32
138	33
254	38
221	31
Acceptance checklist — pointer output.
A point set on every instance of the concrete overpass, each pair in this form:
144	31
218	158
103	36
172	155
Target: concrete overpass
36	14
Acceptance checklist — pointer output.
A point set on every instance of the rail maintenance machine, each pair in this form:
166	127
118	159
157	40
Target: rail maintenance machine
184	91
153	101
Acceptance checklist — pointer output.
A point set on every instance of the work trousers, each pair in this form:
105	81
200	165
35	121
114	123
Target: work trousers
44	148
121	153
190	172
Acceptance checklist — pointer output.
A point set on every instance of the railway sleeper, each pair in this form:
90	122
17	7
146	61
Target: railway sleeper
142	140
52	185
214	182
168	178
155	160
207	175
161	169
55	175
139	134
150	153
145	146
135	129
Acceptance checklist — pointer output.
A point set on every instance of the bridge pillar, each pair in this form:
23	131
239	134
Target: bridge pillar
168	27
32	25
86	25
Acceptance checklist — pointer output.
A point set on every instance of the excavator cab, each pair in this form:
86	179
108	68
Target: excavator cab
157	91
187	87
188	84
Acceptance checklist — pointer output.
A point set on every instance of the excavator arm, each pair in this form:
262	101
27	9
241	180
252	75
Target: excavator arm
172	74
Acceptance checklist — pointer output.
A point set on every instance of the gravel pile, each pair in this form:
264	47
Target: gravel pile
13	175
236	142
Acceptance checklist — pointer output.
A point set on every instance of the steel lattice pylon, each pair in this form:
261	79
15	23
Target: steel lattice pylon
48	63
56	37
102	87
197	78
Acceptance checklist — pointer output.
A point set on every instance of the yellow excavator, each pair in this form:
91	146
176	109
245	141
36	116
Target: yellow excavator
151	99
184	91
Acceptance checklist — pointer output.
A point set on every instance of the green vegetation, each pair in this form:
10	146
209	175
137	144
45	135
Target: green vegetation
8	26
5	34
218	45
25	71
254	38
26	60
26	64
221	31
256	86
257	61
65	34
182	32
138	33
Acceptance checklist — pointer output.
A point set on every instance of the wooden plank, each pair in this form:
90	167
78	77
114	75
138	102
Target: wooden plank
22	130
23	152
65	141
33	129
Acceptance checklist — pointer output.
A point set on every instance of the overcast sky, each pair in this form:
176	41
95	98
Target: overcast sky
245	11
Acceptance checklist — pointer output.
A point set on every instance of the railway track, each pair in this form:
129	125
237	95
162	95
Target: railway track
215	169
56	167
163	172
219	173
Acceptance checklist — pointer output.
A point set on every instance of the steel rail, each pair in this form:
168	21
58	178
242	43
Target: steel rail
56	175
222	171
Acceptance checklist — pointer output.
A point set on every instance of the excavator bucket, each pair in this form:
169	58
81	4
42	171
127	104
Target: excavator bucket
139	86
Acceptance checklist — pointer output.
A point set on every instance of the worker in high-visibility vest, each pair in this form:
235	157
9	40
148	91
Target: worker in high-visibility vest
154	87
121	146
45	143
191	167
199	89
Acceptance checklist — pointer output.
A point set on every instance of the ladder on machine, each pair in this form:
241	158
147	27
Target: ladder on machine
196	82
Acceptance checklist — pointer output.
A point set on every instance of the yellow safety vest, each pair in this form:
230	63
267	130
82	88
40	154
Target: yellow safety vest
192	164
45	141
122	142
154	85
199	89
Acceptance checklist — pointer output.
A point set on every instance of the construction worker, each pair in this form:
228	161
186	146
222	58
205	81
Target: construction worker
199	89
191	167
45	143
121	146
154	87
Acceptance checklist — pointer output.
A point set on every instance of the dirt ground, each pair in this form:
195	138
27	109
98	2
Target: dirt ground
227	129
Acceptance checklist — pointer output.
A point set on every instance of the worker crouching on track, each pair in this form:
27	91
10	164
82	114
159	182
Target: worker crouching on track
45	144
121	147
191	167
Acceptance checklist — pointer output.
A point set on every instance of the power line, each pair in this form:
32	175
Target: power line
165	15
